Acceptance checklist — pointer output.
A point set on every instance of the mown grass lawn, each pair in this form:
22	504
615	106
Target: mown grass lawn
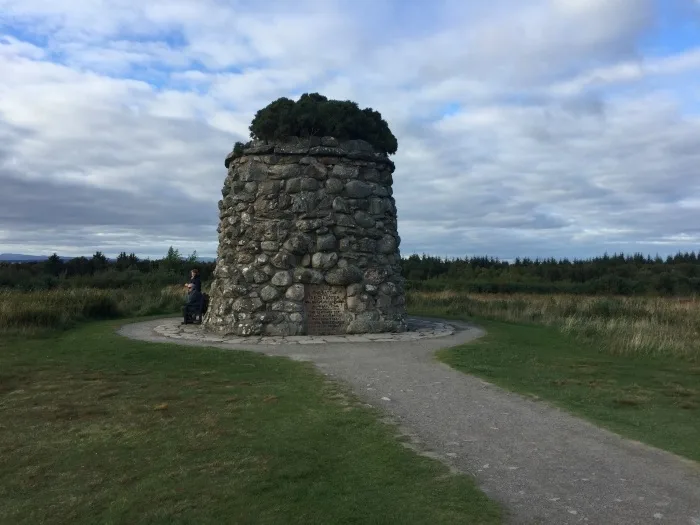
655	400
95	428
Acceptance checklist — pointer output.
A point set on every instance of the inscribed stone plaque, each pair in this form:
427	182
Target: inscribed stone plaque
325	309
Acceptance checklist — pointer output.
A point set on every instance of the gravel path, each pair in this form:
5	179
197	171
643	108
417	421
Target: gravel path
544	465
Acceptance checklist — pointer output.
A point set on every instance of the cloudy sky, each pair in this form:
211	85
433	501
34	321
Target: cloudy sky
525	128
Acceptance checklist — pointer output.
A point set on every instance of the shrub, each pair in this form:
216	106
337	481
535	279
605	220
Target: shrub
238	149
100	307
316	115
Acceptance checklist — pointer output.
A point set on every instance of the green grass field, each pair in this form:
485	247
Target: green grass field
629	365
653	400
95	428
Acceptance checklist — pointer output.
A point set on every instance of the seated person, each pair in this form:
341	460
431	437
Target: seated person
194	297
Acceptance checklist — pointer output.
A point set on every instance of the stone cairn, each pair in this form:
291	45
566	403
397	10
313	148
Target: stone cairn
308	242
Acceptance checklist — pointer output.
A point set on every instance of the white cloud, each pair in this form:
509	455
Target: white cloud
13	49
631	71
563	137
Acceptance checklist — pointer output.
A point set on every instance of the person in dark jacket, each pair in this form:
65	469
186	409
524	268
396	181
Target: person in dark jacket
194	297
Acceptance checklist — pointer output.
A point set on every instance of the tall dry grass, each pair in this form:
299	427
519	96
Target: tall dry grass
620	325
32	312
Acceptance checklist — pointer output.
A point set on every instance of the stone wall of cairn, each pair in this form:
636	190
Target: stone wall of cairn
308	242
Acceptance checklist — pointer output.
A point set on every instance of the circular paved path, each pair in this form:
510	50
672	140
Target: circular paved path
542	464
417	329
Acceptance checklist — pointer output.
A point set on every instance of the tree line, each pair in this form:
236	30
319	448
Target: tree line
126	271
616	274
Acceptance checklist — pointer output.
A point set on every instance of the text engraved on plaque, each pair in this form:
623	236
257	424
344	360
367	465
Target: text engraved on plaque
325	309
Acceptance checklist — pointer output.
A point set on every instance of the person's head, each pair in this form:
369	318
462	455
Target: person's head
194	272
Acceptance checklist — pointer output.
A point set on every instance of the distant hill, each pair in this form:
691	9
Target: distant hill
19	257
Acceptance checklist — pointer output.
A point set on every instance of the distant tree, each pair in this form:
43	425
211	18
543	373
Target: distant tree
53	265
122	262
666	284
98	262
78	266
172	262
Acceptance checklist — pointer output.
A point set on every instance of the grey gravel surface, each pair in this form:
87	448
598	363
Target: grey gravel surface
544	465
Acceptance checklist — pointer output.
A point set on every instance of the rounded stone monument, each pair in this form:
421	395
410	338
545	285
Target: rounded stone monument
308	241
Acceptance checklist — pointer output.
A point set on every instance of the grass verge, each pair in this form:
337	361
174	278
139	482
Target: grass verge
47	311
629	326
653	399
95	428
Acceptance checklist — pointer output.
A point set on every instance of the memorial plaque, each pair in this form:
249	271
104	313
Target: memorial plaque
325	309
